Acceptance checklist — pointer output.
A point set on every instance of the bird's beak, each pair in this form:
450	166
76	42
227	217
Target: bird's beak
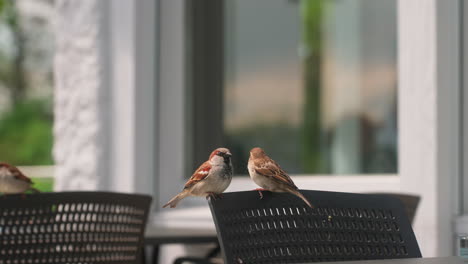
227	154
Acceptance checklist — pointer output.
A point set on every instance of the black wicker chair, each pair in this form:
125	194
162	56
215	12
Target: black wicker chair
280	228
72	227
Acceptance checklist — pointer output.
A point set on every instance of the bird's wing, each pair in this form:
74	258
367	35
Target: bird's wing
199	174
19	175
272	170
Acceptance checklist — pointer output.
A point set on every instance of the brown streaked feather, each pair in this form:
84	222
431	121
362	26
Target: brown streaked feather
199	174
17	173
271	169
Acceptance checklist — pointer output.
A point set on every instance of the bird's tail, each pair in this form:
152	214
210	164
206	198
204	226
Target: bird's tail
174	201
299	194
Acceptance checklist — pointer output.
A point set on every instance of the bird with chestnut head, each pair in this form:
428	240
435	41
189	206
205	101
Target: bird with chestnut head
210	179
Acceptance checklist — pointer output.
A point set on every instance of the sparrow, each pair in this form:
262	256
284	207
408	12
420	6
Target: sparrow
13	181
210	179
267	174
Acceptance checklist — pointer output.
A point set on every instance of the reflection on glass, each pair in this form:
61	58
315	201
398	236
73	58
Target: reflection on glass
313	83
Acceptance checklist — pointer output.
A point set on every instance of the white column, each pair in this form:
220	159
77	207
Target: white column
429	116
80	97
105	95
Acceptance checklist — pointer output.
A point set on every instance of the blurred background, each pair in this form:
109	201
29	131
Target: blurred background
26	87
313	82
325	69
347	95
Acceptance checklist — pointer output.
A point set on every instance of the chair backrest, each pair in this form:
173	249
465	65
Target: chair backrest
280	228
72	227
409	201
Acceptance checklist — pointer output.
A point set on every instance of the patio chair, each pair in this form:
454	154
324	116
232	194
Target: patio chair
410	202
280	228
72	227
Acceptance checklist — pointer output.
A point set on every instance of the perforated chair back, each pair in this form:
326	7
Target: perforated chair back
72	227
410	202
280	228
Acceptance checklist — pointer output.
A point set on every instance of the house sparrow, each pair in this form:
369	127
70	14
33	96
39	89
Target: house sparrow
266	173
210	179
13	181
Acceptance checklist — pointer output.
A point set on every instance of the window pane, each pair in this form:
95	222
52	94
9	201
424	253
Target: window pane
313	83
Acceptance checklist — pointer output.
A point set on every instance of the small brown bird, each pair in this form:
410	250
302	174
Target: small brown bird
210	179
13	181
267	174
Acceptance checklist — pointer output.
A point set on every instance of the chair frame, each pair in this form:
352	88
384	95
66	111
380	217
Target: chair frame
280	228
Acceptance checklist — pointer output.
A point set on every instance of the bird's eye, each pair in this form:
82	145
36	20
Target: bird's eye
219	152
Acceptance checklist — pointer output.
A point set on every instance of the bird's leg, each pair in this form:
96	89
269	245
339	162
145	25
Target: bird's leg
211	195
260	190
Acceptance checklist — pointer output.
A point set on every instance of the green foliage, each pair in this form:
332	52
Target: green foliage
26	134
311	15
26	129
44	184
8	12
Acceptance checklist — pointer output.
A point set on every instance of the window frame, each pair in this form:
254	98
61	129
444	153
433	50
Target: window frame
129	39
205	75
